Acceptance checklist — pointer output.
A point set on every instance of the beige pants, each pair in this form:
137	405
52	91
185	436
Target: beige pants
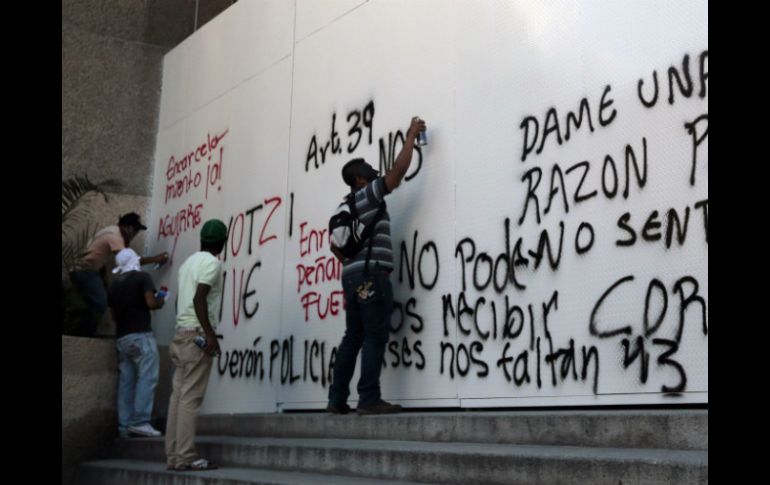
191	377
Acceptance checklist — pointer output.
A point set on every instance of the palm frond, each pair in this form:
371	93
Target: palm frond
74	191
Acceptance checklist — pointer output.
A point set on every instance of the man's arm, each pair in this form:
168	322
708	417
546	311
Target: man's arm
202	312
404	159
152	302
158	258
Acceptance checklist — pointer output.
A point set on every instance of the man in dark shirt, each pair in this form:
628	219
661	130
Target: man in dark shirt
131	297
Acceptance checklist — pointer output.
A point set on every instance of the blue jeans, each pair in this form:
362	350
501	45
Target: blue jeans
91	287
138	368
369	302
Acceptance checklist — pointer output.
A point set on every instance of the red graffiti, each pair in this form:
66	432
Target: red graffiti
184	220
214	173
325	269
237	299
176	167
262	240
324	306
310	241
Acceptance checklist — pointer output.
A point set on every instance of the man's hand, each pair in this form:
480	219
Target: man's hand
212	344
396	173
417	125
157	259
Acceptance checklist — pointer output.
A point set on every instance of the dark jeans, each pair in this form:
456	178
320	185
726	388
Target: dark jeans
369	303
91	287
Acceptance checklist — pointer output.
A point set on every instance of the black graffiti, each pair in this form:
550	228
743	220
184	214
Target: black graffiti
367	116
242	363
655	284
563	362
287	362
507	261
651	326
519	366
640	352
489	318
249	293
685	301
318	351
584	247
359	120
389	151
594	323
523	366
412	260
683	80
331	147
463	359
222	295
664	360
697	139
258	363
401	354
507	320
291	214
630	356
531	126
648	103
610	185
483	270
400	312
676	226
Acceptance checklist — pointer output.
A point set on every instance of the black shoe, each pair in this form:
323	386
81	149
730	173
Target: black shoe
381	407
338	408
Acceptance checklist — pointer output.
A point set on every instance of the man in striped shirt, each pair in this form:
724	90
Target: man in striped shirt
367	287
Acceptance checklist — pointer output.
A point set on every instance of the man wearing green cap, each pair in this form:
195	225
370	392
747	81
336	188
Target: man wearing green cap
200	289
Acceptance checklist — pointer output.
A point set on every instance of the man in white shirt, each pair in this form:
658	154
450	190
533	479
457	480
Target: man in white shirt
200	289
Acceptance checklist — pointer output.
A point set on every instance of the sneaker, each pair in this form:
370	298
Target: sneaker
381	407
200	464
144	430
338	408
123	434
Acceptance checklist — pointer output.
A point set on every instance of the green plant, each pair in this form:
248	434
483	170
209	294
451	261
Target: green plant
76	193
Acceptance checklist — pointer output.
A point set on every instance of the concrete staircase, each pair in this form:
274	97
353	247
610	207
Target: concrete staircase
613	447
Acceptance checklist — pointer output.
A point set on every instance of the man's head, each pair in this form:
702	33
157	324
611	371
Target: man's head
127	260
357	173
130	225
213	236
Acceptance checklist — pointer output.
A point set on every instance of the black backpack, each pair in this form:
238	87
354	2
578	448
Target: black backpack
348	234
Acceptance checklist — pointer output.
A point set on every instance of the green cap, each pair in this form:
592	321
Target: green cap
213	231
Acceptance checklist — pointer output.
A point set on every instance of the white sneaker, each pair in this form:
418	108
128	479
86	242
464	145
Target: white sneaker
144	430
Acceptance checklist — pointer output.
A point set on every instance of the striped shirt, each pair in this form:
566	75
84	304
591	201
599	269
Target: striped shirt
367	202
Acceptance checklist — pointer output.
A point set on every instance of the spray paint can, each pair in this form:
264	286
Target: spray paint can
422	138
162	293
200	341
